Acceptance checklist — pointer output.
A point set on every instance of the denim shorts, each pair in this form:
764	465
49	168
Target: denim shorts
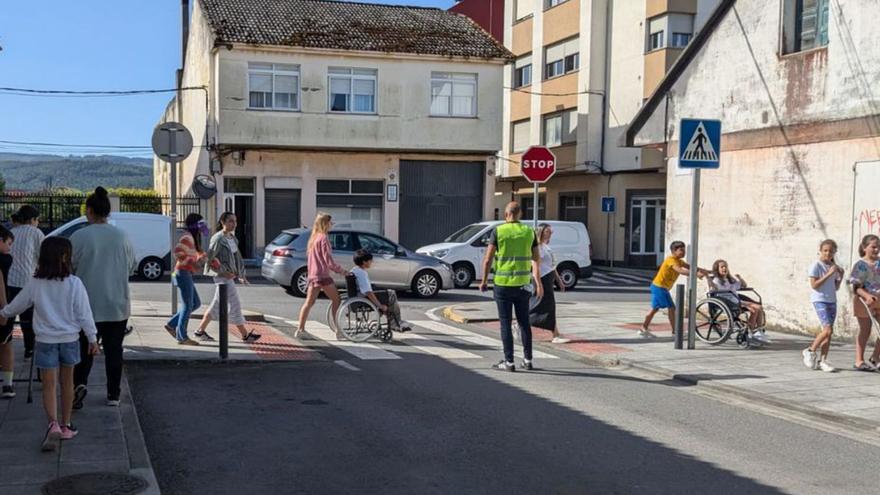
48	356
827	312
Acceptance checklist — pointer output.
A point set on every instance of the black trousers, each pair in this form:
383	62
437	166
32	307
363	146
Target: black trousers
26	320
111	334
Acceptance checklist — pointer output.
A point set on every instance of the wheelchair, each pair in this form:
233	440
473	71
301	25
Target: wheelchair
720	316
357	317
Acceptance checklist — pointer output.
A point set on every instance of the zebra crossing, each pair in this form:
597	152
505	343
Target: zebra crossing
427	337
607	279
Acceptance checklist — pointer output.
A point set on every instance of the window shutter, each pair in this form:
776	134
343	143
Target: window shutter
572	46
521	131
523	61
554	52
524	8
569	134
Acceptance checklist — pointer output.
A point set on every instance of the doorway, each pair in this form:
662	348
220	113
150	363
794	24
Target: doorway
238	198
646	232
573	207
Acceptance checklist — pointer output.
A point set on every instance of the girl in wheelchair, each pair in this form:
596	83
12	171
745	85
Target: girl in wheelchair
729	287
385	300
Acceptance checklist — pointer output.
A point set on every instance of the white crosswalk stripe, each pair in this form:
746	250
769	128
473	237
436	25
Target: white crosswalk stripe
473	338
361	350
431	346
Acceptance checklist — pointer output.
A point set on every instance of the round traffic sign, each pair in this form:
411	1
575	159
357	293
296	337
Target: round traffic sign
538	164
172	142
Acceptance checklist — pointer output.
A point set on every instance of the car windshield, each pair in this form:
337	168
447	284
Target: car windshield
466	233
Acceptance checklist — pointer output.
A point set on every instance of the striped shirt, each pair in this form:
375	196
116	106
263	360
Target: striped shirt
25	253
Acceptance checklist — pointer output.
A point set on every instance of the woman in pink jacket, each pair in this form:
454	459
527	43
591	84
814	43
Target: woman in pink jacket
320	263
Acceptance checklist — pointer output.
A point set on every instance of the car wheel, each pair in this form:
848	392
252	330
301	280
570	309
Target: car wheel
151	269
462	275
299	284
569	275
426	284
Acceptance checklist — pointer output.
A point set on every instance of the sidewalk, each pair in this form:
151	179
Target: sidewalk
606	334
110	448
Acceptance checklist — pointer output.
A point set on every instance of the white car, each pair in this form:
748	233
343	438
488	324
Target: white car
464	250
150	236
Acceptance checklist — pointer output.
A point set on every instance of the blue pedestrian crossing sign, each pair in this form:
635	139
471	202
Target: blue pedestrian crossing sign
609	204
699	143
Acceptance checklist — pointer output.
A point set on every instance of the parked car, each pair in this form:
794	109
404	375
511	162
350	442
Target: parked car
464	250
394	266
150	236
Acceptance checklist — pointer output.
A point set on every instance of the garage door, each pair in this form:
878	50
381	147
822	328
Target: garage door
282	211
438	198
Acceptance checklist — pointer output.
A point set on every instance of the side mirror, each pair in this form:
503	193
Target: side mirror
401	253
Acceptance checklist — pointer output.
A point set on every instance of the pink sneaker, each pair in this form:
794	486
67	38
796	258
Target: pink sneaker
53	435
68	432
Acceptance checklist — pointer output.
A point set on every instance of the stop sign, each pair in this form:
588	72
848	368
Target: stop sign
538	164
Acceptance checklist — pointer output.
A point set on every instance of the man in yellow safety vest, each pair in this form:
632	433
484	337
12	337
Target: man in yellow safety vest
514	249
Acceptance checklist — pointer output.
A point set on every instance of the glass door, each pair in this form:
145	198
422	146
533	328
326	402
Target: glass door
647	227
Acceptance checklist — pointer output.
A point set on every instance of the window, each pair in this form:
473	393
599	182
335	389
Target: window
524	8
573	208
376	245
560	128
656	42
520	136
646	229
680	40
528	202
273	86
805	25
341	241
562	58
553	3
522	72
352	90
453	95
354	204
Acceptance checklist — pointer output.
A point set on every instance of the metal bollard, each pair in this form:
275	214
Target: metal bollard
224	322
679	317
692	320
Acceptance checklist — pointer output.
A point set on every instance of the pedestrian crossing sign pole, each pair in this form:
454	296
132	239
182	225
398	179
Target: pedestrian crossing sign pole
699	147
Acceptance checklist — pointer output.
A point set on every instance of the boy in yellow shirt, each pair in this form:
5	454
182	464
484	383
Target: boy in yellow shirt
673	266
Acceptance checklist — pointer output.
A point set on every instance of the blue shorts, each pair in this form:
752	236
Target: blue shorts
827	312
661	298
48	356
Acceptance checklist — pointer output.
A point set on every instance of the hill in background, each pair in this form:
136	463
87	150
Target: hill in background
33	172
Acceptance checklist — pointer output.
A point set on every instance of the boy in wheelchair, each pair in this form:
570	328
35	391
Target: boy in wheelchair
726	288
385	300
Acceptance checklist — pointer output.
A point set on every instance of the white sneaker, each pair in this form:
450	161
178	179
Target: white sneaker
809	358
645	333
560	340
827	368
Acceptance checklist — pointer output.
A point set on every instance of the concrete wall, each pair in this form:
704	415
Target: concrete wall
403	121
794	126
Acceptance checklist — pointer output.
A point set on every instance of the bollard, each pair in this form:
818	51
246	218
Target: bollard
692	324
679	317
224	322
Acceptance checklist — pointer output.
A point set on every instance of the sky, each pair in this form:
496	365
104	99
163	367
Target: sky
87	45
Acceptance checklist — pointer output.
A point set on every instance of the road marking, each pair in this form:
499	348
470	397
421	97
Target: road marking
472	337
431	346
361	350
346	365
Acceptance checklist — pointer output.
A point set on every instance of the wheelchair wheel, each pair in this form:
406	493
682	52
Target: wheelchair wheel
357	319
742	340
714	322
386	335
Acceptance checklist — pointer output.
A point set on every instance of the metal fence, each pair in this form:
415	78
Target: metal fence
57	209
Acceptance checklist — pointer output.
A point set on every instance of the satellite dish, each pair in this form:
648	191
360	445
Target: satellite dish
204	186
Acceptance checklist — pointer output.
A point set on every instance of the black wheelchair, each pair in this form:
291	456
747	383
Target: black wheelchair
720	316
358	318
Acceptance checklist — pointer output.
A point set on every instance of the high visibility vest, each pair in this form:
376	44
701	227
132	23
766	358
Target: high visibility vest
513	256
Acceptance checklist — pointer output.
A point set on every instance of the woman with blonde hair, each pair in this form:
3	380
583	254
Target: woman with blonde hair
544	314
320	263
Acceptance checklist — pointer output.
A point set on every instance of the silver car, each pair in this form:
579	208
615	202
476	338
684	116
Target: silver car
394	266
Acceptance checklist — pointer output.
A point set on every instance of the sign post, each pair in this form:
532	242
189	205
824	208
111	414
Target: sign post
172	143
699	145
538	166
609	206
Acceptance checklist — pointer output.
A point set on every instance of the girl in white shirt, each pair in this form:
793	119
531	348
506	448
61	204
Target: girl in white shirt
61	309
723	281
543	315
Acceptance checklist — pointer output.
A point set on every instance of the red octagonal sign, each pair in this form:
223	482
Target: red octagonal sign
538	164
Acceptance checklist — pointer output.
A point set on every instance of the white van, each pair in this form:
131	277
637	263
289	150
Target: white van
464	250
150	236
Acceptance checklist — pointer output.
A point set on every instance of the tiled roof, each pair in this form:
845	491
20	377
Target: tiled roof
350	26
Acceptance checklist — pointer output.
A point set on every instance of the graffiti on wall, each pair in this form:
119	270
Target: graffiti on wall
869	221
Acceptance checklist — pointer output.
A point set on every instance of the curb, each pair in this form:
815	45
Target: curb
859	425
138	456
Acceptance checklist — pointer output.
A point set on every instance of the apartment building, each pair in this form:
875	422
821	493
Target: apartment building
387	117
582	70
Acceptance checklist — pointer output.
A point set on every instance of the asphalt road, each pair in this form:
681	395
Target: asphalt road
424	424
